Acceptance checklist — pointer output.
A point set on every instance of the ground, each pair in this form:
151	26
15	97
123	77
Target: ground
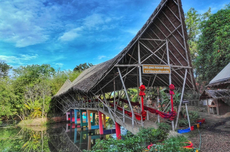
215	133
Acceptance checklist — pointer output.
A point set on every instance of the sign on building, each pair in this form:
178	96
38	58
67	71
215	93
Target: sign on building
156	69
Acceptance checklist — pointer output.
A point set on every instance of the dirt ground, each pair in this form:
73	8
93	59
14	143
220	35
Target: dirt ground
215	132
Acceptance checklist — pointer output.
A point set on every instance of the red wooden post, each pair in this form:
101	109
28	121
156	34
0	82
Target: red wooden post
171	88
118	130
100	123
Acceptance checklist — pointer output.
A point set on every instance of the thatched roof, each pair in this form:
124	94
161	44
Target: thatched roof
166	23
222	78
223	94
64	87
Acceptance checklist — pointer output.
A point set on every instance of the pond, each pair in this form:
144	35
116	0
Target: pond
53	138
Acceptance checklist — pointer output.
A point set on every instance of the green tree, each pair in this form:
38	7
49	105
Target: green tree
7	98
83	66
4	69
32	89
193	21
213	45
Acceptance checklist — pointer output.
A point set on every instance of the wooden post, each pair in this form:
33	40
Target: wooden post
75	135
207	106
66	129
89	120
182	95
75	116
147	115
100	122
89	142
104	120
93	123
158	103
187	115
67	116
118	130
217	107
81	118
71	116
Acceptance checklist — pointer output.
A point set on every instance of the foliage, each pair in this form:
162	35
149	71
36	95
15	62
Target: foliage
83	66
193	21
4	69
142	139
213	45
28	93
24	140
173	144
183	122
60	77
7	98
133	94
164	126
193	116
165	99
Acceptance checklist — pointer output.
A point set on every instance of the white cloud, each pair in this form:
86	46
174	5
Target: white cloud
25	23
58	65
101	57
90	24
132	31
94	20
71	35
18	59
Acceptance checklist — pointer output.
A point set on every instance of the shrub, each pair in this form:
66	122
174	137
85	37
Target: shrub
173	144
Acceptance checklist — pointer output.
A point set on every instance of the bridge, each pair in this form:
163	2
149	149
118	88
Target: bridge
157	56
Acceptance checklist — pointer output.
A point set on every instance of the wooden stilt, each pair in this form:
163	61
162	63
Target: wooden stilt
100	122
93	123
207	106
217	107
75	116
89	142
89	121
71	116
118	130
104	120
75	135
81	118
67	116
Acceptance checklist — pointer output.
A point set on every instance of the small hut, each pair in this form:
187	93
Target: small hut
217	97
222	79
217	101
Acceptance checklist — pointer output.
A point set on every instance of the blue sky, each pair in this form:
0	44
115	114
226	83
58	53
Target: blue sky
65	33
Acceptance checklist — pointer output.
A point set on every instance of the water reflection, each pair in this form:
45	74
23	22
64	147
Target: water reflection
62	137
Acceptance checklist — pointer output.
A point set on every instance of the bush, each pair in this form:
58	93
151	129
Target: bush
173	144
194	116
140	141
183	122
164	126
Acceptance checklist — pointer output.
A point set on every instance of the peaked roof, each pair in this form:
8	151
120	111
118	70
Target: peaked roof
166	24
64	87
222	77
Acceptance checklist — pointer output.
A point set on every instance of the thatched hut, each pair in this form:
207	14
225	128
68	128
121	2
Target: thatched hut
217	101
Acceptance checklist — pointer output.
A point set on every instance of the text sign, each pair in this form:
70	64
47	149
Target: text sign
156	69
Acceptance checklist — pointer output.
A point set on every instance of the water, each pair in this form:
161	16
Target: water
58	137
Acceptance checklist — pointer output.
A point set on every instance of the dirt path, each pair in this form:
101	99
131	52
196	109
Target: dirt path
215	134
